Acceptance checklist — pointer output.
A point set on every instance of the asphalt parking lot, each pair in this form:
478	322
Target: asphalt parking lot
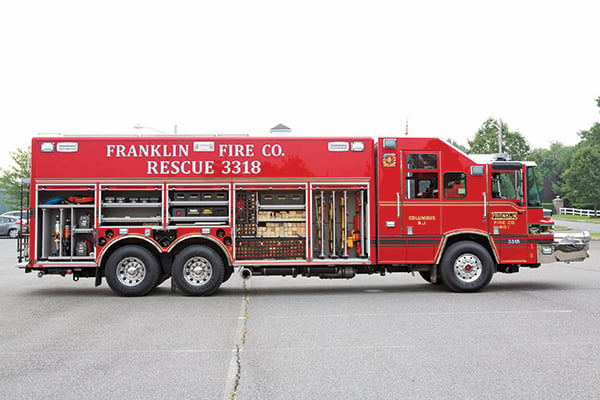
531	335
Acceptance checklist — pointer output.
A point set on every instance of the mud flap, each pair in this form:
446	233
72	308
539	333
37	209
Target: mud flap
98	281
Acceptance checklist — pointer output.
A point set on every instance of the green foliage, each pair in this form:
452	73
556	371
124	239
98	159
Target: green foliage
486	141
591	137
10	180
582	178
552	163
457	145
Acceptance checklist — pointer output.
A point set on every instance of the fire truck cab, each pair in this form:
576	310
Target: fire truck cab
138	210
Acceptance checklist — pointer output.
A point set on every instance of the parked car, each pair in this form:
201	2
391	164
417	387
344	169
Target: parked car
19	214
11	226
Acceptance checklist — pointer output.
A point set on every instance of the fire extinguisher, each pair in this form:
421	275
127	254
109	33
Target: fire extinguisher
57	234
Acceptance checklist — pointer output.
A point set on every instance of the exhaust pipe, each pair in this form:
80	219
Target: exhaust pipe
246	273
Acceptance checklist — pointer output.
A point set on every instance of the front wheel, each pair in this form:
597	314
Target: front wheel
466	267
13	233
198	270
132	271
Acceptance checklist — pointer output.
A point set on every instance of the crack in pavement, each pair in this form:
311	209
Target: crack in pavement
235	366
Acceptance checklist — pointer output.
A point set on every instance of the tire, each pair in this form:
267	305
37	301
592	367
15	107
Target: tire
198	270
227	274
13	234
427	276
466	267
132	271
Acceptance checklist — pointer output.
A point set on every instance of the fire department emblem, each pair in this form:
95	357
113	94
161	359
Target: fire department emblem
389	160
504	215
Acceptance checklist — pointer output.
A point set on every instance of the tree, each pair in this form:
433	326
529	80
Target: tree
486	141
582	178
591	137
552	163
10	180
457	145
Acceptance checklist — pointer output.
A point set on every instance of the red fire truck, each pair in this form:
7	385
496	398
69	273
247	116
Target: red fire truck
138	210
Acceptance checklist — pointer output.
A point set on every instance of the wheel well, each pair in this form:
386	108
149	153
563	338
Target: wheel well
129	241
472	237
205	242
165	259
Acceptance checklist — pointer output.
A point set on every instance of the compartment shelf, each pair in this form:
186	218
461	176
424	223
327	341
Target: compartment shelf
70	258
198	203
278	220
69	206
82	230
131	205
281	207
199	219
130	219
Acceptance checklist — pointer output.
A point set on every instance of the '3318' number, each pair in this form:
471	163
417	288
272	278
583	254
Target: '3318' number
240	167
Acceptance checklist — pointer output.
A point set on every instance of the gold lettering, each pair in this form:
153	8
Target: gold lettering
504	215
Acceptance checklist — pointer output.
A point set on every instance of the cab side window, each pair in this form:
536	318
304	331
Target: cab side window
422	176
455	185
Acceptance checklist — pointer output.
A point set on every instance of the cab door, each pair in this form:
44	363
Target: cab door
391	244
421	205
508	211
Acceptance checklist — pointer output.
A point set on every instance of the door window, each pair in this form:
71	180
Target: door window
422	176
455	185
506	185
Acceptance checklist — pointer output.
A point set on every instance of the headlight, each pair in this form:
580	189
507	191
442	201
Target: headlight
537	229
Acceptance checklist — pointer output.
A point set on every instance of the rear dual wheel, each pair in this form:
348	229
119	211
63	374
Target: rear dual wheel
132	271
198	270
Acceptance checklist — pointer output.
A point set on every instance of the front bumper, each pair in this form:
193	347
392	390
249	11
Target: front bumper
567	247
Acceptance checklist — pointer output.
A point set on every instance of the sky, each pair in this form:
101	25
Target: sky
335	68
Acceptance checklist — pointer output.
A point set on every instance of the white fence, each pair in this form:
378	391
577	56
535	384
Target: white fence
578	211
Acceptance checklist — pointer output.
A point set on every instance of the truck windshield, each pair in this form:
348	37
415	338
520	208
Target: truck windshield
533	194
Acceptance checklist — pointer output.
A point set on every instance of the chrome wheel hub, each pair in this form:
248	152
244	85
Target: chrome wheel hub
197	271
131	271
468	267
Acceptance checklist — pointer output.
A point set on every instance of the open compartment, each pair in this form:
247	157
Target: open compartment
271	223
339	221
131	205
198	204
66	219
